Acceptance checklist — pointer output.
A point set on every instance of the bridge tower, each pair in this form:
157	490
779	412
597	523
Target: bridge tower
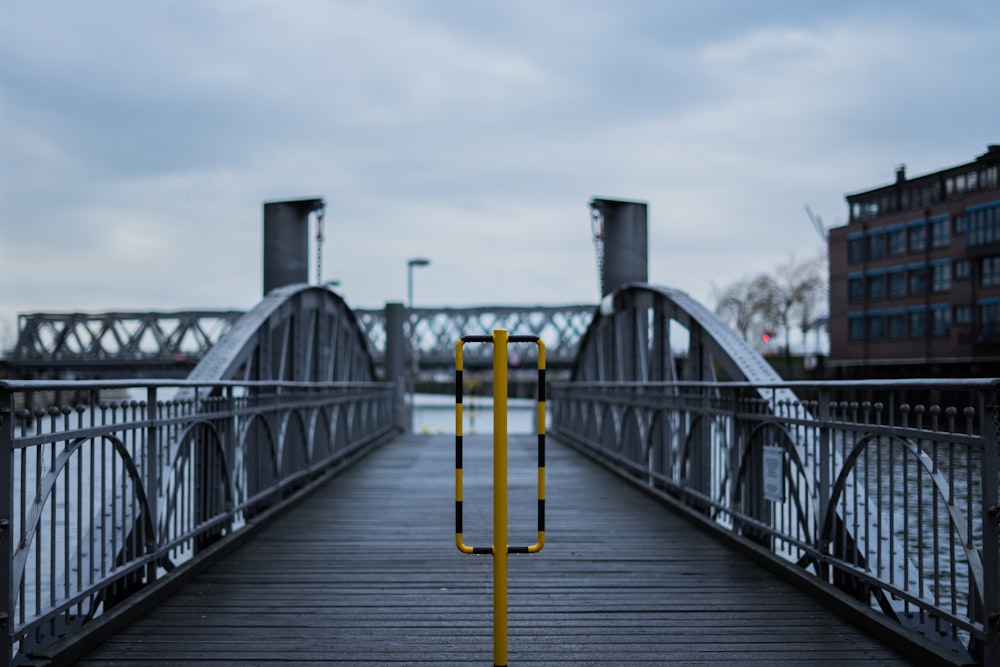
286	241
621	236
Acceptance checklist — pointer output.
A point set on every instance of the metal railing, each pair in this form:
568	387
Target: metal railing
110	487
887	491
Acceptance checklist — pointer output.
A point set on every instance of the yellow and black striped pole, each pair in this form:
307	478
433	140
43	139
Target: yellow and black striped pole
500	549
500	546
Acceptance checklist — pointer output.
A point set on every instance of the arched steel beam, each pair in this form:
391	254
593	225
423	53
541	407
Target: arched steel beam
709	337
296	333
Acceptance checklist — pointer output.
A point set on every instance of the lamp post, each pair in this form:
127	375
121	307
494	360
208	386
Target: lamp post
415	261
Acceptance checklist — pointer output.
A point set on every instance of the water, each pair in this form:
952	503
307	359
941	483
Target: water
434	414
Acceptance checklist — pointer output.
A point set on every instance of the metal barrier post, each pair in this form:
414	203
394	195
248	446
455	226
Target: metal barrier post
500	549
500	545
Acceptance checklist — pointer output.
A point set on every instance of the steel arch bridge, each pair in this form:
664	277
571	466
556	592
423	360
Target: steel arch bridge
660	390
675	399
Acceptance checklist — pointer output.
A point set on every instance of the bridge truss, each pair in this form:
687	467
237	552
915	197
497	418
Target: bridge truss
118	344
432	333
170	344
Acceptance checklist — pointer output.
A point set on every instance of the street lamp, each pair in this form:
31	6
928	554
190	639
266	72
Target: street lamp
416	261
410	263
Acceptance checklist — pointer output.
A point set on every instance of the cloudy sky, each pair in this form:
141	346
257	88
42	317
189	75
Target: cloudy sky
139	140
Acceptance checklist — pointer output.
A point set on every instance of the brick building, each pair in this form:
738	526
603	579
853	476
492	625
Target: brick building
915	276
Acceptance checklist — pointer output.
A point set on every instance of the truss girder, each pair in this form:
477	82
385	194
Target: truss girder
92	341
431	333
119	336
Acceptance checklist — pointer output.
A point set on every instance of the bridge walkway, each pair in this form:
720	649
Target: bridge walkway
365	572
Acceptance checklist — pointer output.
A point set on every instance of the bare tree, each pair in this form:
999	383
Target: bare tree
795	291
733	306
800	286
749	305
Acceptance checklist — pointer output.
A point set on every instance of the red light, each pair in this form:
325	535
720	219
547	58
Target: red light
766	337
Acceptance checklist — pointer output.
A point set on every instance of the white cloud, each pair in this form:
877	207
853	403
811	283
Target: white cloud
140	139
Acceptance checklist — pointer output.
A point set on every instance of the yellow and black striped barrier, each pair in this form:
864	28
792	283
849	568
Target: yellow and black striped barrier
500	339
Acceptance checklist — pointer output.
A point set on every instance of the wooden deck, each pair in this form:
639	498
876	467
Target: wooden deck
365	572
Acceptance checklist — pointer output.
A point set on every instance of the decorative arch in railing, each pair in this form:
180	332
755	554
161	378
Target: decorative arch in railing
670	395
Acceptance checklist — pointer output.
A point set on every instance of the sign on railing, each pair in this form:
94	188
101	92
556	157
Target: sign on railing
500	549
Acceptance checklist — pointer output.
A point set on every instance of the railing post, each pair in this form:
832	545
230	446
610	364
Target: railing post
152	480
991	544
231	443
825	466
6	518
739	441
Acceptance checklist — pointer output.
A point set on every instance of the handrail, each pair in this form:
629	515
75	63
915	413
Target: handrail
886	496
110	487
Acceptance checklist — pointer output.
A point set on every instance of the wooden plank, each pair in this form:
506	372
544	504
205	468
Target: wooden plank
366	572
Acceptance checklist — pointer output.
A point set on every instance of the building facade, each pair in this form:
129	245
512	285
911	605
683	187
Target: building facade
915	276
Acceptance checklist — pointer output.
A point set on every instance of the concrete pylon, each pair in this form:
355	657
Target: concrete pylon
395	361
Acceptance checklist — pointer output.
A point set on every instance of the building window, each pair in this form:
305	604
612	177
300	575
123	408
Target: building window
876	326
941	321
897	284
917	238
982	226
876	245
876	286
917	323
897	242
896	325
856	327
990	274
941	276
856	289
989	314
990	177
963	315
940	236
917	278
963	269
855	250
